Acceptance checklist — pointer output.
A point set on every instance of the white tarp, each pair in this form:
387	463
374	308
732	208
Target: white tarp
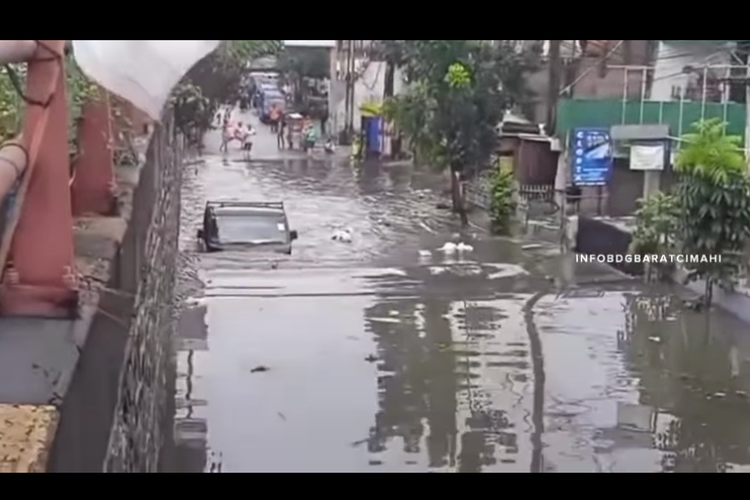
647	157
142	71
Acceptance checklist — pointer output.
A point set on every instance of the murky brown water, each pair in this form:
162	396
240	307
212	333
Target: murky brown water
366	357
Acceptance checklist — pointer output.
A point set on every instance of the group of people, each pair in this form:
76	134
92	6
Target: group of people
285	131
243	133
231	132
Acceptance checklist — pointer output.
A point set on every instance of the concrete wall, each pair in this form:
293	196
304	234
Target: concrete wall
116	409
369	87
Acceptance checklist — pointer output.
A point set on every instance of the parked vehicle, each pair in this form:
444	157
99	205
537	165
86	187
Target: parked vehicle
238	225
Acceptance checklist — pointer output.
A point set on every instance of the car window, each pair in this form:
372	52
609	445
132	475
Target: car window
249	228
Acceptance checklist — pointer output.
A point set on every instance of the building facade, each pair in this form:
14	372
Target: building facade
672	83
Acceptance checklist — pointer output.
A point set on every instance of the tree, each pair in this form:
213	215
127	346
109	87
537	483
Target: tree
214	81
657	221
393	54
299	64
714	197
459	91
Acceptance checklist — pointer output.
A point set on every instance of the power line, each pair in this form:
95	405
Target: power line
589	70
612	52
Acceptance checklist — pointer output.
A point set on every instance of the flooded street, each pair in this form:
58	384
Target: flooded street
372	357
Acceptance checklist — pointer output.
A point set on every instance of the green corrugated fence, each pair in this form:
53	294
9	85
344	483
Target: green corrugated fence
574	113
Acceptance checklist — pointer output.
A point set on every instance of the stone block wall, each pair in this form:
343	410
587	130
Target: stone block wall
141	414
116	411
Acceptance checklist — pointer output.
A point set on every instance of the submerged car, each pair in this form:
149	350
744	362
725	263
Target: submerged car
237	225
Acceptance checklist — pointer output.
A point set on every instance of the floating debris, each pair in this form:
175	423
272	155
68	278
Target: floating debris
385	320
343	235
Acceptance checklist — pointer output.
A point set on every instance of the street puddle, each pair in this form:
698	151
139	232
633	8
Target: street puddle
634	384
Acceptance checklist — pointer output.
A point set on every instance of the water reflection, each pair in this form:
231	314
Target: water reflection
190	426
455	377
693	374
637	384
416	385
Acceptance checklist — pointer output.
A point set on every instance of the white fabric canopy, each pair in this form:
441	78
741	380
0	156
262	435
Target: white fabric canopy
143	72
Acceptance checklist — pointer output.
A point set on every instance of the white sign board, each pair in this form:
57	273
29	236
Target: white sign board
647	157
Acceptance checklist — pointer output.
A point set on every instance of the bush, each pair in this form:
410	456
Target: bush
502	202
657	221
714	198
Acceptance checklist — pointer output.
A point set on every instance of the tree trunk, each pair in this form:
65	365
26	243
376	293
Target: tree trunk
708	298
555	78
457	197
389	85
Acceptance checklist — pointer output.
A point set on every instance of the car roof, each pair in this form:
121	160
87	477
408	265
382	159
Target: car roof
230	210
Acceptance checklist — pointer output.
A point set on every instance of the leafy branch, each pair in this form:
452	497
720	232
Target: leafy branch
709	213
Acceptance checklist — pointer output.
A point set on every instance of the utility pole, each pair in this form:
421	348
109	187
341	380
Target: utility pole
349	65
743	54
555	79
352	80
744	47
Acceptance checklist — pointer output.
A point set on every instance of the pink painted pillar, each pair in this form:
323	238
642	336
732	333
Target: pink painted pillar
94	181
38	276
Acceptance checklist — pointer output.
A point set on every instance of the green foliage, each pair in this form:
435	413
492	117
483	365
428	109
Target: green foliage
458	76
656	224
714	199
79	90
502	202
10	108
305	63
709	212
459	91
657	221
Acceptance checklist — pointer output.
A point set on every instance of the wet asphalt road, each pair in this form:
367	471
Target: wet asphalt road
366	357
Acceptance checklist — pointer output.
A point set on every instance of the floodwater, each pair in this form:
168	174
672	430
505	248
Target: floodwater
367	357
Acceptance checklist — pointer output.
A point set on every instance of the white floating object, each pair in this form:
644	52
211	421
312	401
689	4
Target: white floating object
655	339
385	320
449	248
425	253
464	248
143	72
344	236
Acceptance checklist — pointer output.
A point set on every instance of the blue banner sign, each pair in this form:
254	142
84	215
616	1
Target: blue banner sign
592	156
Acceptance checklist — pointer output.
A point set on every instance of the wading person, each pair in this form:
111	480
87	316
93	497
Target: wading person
274	116
280	141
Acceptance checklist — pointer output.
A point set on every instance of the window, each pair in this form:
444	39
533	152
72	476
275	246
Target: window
248	228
